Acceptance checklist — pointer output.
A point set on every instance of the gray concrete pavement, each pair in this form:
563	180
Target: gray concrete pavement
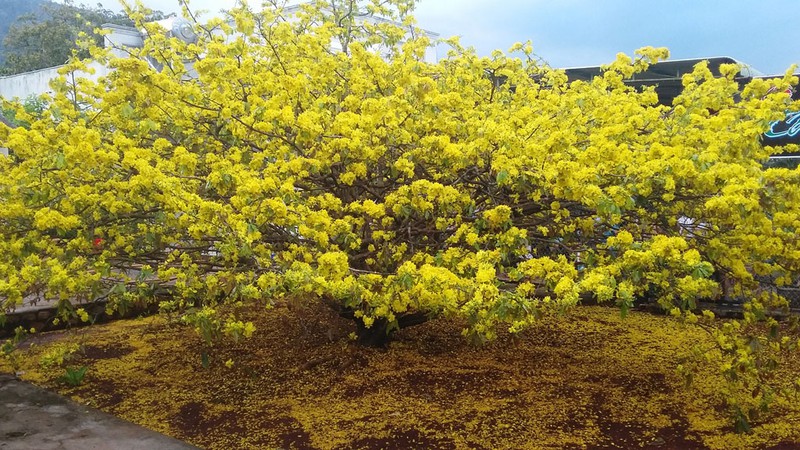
33	418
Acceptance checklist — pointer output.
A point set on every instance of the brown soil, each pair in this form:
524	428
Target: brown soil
590	381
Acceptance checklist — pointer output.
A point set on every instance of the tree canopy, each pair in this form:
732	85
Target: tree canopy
10	10
261	163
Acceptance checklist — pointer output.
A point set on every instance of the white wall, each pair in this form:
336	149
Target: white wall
26	84
34	83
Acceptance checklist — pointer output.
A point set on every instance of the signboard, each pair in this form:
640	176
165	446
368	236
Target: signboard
784	132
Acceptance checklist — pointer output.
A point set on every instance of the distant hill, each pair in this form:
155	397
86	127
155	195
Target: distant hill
10	10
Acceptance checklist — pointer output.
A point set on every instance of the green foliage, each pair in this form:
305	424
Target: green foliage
8	350
32	106
10	10
73	376
58	355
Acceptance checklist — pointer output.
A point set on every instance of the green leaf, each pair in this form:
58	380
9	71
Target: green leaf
502	176
74	377
59	160
702	270
741	422
144	274
227	180
636	275
127	111
119	288
774	330
754	344
625	306
406	281
606	206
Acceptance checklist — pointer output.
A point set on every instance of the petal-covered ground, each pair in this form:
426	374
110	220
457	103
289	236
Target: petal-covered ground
588	380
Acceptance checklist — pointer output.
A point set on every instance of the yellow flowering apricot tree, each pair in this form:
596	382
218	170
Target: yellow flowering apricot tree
316	154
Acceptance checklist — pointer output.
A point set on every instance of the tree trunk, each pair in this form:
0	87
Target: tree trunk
375	336
379	334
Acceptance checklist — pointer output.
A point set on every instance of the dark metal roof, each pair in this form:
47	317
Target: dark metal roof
667	70
666	75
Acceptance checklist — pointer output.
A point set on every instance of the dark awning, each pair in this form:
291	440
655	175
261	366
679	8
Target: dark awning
666	75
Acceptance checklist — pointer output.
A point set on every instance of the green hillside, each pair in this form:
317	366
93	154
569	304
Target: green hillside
10	10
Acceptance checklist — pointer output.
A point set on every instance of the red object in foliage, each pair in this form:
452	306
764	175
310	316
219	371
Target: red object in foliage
97	243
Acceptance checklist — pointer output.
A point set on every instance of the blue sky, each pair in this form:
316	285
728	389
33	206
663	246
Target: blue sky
569	33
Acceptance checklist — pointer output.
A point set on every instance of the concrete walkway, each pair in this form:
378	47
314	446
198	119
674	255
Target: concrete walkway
32	418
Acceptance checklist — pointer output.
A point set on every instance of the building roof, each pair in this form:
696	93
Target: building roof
666	75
